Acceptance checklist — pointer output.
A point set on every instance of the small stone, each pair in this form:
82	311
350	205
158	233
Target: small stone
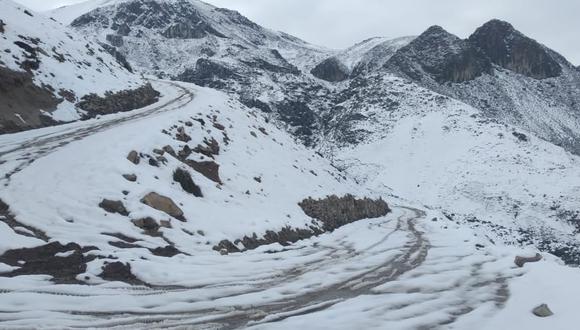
159	152
165	223
542	311
133	157
224	252
148	224
114	207
130	177
521	261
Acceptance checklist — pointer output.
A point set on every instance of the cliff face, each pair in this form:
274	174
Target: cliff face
510	49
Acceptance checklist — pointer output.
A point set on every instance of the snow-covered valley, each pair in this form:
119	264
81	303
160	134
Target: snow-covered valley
274	184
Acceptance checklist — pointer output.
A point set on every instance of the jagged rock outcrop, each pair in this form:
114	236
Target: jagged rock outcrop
442	55
331	70
126	100
510	49
334	211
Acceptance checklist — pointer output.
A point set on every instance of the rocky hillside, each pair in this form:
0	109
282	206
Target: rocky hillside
191	41
46	69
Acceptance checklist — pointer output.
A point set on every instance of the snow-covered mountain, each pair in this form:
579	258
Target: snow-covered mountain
387	185
49	73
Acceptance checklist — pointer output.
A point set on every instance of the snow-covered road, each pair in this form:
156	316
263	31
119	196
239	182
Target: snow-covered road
20	152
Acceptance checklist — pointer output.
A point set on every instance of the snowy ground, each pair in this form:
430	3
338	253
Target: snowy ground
413	269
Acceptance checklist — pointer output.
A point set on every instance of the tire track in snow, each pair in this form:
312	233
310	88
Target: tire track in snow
40	146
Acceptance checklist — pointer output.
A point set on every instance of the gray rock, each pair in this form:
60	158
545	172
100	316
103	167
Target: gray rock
130	177
521	261
114	207
163	204
133	157
542	311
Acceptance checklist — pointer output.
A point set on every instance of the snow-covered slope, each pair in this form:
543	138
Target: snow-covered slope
428	148
47	68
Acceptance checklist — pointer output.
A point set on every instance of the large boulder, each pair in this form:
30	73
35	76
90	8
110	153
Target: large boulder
163	204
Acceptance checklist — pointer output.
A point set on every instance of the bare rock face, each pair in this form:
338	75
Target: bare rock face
331	70
114	207
542	311
444	56
163	204
22	101
336	211
510	49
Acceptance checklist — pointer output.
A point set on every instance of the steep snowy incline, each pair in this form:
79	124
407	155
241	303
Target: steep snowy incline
513	186
46	70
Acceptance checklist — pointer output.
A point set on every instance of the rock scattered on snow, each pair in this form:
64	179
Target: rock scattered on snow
183	177
163	204
542	311
133	157
521	261
113	207
130	177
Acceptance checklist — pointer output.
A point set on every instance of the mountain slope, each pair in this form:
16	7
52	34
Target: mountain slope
47	72
191	41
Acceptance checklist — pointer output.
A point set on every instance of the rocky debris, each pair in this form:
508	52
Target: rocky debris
114	207
181	135
130	177
121	272
336	211
2	25
210	149
183	177
148	224
521	261
63	262
510	49
208	169
163	204
542	311
331	70
122	101
300	117
184	31
68	95
22	102
133	157
285	237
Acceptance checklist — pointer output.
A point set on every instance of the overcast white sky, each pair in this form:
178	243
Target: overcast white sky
341	23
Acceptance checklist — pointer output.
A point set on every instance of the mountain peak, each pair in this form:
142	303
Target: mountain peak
512	50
